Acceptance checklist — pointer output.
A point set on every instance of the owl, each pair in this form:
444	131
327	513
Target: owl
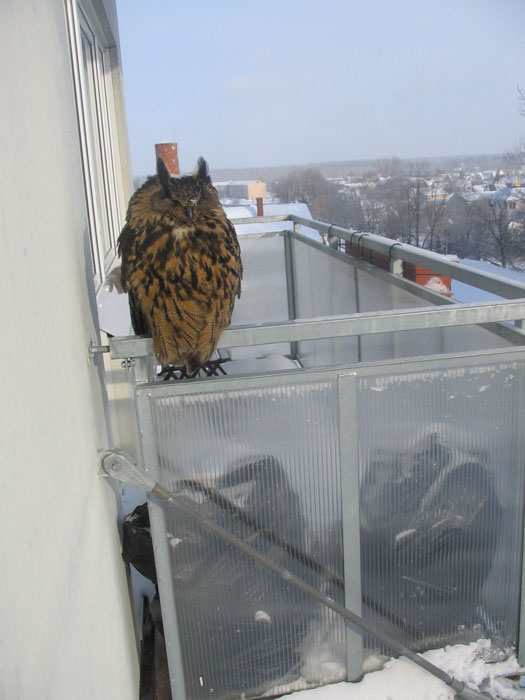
181	266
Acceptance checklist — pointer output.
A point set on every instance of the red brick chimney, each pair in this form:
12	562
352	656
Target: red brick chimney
260	210
167	152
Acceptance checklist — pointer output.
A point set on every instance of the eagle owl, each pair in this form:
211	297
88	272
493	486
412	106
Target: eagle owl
181	266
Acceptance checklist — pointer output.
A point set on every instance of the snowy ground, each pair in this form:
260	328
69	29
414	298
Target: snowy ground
399	679
467	294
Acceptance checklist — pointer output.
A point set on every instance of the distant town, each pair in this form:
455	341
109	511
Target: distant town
473	207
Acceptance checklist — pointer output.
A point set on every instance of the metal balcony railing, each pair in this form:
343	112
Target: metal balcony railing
383	463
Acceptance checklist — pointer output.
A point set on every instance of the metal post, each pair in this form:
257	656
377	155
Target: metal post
519	422
290	285
358	310
349	464
396	267
161	549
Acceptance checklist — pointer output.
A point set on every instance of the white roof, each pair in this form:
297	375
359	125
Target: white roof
249	210
234	182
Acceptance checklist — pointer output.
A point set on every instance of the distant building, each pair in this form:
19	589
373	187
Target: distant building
241	189
271	209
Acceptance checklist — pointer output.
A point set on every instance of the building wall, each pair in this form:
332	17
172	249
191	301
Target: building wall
242	189
67	628
257	189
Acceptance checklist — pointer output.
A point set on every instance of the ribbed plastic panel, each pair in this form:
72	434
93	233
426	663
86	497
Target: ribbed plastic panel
441	459
345	290
264	463
263	297
441	495
324	286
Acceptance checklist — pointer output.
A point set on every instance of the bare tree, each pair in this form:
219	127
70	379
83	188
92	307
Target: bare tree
459	228
435	207
521	100
324	198
414	205
516	157
339	208
500	232
373	216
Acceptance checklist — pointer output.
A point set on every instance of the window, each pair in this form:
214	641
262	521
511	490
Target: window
94	91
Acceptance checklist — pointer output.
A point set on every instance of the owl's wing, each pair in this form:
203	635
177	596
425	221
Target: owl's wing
236	252
125	245
126	249
138	320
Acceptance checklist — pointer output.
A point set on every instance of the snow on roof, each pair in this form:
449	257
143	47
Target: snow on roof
224	183
467	294
272	209
479	194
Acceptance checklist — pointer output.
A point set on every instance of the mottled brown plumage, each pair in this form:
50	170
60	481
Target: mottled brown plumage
181	266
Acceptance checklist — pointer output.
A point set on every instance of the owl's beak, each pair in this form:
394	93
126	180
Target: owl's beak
189	212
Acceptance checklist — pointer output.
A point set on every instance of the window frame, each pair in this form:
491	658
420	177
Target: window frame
92	74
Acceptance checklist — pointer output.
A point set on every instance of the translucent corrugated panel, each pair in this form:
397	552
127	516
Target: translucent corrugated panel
442	466
442	481
327	286
265	464
263	291
324	286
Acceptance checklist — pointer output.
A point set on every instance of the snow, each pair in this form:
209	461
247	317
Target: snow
271	209
262	616
435	284
476	664
468	294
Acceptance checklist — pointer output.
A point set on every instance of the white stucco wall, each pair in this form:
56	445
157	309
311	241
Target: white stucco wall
66	627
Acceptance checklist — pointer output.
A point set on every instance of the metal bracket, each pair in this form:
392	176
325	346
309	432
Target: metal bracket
119	465
467	693
95	349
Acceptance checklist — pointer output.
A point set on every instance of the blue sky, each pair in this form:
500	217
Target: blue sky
290	82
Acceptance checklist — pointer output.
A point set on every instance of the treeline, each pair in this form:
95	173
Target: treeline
409	205
326	200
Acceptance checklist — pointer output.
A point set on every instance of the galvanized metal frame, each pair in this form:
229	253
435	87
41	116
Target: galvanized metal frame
489	314
347	378
138	354
348	325
349	464
150	465
419	256
290	286
347	389
477	278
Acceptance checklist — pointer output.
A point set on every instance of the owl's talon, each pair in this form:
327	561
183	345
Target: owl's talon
209	369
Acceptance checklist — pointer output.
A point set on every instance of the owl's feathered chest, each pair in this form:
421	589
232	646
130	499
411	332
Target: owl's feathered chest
199	257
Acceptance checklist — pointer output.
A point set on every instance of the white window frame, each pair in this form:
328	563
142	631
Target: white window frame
94	93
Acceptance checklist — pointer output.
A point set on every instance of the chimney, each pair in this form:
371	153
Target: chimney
167	152
260	211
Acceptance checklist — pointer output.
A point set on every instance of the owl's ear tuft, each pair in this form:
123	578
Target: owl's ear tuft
164	176
202	174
